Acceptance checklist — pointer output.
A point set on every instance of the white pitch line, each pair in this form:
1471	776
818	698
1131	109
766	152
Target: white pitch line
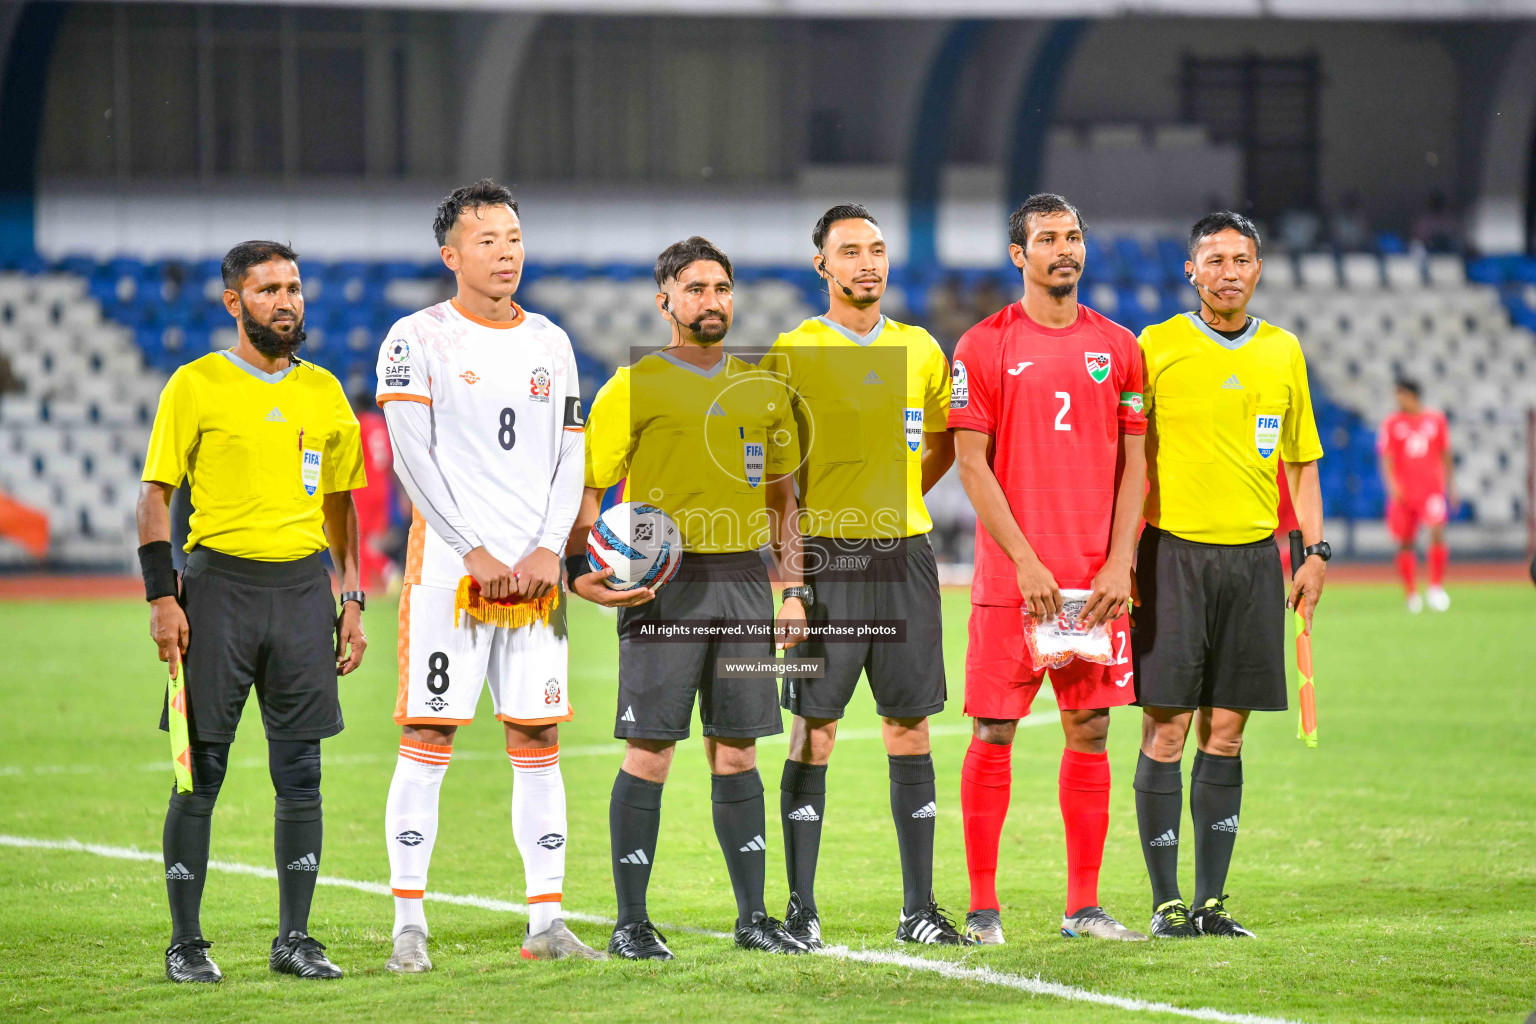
1035	986
586	750
373	888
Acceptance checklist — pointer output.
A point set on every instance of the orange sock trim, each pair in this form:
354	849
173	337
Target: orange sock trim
534	757
425	753
409	894
549	897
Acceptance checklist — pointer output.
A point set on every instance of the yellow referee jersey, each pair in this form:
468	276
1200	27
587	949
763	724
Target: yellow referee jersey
1219	414
862	406
699	444
262	451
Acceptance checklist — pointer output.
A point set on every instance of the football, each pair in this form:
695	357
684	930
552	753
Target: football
636	544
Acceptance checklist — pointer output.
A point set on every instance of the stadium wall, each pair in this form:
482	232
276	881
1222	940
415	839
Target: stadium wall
668	105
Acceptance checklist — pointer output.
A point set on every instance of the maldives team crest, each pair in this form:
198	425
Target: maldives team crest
539	385
1098	365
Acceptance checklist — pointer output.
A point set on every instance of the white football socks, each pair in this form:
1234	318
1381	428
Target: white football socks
538	827
410	826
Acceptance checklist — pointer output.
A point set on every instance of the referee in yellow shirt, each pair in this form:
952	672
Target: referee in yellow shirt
872	408
272	451
1226	395
709	439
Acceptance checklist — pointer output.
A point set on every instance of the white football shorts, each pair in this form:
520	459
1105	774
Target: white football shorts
444	667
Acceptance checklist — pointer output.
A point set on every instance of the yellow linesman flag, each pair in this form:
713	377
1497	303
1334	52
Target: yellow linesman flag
181	747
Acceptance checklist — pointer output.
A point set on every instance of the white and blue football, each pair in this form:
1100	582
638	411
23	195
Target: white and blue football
636	544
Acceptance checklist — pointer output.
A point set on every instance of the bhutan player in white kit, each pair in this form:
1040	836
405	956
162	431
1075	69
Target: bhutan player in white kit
484	413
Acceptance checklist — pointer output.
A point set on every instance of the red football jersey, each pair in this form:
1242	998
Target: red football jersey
1055	401
1417	447
378	460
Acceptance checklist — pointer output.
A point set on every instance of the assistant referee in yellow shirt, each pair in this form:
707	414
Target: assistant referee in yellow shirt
710	440
1226	394
272	451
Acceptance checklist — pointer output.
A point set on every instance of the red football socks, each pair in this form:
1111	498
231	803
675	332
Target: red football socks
1084	789
1405	567
985	781
1437	557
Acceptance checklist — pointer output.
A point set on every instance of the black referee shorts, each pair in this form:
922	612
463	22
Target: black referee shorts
1210	630
267	624
868	581
658	678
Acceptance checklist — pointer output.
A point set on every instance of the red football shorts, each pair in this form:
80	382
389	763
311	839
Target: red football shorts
1406	515
1000	680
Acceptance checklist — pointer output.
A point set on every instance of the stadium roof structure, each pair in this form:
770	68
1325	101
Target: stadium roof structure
1348	10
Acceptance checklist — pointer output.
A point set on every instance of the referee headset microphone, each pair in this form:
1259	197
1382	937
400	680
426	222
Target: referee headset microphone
666	304
1189	275
833	278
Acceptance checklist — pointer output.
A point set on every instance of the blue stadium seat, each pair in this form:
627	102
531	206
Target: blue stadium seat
1171	257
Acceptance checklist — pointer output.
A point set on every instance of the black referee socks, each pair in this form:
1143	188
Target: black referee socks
634	819
188	826
740	824
914	807
1159	789
298	830
802	805
296	843
1215	797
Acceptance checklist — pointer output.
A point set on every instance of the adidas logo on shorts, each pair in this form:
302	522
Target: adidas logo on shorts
178	873
308	862
1169	838
755	846
928	810
628	715
1226	825
638	857
806	813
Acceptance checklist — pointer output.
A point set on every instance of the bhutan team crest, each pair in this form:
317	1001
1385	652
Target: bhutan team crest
552	692
539	385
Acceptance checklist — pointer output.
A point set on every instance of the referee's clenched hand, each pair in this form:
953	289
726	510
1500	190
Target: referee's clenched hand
168	627
350	641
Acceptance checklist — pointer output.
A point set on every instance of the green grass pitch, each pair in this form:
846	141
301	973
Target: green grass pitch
1390	874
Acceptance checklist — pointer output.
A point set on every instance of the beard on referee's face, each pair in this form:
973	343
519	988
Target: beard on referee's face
280	336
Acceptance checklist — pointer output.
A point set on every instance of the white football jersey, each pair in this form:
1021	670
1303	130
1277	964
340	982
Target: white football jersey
501	396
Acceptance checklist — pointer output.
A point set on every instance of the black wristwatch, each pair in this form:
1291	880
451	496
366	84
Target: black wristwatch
354	595
1322	549
806	595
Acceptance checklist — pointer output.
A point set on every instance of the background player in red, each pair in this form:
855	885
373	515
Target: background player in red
1415	449
374	501
1046	410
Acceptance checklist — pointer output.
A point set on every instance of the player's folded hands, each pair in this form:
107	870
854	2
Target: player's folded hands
494	576
536	574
